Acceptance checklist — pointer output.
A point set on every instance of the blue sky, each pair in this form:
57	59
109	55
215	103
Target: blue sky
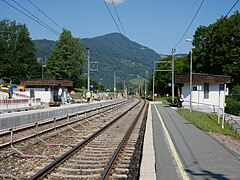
157	24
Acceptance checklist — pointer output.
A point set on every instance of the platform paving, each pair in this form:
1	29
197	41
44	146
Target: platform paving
18	119
182	151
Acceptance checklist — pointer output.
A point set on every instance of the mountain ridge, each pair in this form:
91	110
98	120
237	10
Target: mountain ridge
114	52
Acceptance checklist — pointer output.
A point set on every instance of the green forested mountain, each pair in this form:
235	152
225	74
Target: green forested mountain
44	48
113	52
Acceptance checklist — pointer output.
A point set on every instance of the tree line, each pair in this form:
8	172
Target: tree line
18	55
216	50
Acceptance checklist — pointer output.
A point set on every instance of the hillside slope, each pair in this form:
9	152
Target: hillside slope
114	52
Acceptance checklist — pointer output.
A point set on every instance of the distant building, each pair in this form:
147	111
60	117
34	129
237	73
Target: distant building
207	88
47	89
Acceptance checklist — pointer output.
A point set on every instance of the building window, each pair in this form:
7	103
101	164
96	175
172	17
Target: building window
206	90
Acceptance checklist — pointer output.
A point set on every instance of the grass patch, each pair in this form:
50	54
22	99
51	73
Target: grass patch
166	100
207	122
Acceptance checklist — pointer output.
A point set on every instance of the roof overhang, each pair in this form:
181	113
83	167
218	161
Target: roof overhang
47	82
202	78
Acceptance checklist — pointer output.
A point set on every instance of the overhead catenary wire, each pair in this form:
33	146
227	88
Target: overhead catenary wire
126	40
232	8
125	37
220	23
189	24
46	27
35	16
45	14
227	13
123	29
118	18
196	15
112	16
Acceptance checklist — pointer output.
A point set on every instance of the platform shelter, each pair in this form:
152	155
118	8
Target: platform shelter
207	89
48	89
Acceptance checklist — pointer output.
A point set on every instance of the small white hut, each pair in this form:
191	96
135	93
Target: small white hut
207	89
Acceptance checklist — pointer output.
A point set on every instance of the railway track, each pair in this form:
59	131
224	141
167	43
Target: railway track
32	130
60	142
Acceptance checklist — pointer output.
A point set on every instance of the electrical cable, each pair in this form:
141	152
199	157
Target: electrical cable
232	8
126	39
123	36
44	14
30	17
213	40
189	24
112	16
118	18
34	16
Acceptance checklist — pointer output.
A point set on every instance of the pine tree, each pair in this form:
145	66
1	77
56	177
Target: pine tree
67	58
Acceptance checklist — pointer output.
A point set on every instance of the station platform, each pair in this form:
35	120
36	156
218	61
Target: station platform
22	118
176	149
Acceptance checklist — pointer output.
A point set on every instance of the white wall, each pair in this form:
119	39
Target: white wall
198	96
40	93
43	94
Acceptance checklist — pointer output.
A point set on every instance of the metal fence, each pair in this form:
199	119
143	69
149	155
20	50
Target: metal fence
233	121
15	105
15	120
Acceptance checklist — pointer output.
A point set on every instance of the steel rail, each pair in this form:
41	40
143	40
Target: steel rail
51	129
108	168
50	167
30	125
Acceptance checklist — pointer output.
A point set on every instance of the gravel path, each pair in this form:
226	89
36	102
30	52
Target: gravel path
228	141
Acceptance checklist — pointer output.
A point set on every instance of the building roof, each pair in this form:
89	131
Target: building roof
202	78
47	82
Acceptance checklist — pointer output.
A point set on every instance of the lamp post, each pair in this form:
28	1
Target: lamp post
190	83
173	51
44	65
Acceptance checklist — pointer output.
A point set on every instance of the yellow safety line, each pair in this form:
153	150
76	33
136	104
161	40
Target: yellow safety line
174	152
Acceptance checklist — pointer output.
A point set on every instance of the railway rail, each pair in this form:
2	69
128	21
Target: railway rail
13	135
44	149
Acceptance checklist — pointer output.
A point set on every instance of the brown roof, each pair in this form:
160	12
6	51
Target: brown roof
47	82
202	78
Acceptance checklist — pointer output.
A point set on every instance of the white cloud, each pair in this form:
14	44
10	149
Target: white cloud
115	1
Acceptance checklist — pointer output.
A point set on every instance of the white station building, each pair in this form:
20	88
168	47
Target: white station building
47	89
207	89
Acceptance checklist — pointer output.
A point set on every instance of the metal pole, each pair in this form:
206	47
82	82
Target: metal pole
223	116
173	51
190	78
124	88
42	71
198	89
114	84
153	86
219	95
190	83
145	90
139	90
84	79
88	50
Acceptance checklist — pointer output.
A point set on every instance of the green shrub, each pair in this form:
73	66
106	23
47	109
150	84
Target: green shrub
235	93
233	106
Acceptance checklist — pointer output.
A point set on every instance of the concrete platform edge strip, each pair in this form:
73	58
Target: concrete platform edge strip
147	170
